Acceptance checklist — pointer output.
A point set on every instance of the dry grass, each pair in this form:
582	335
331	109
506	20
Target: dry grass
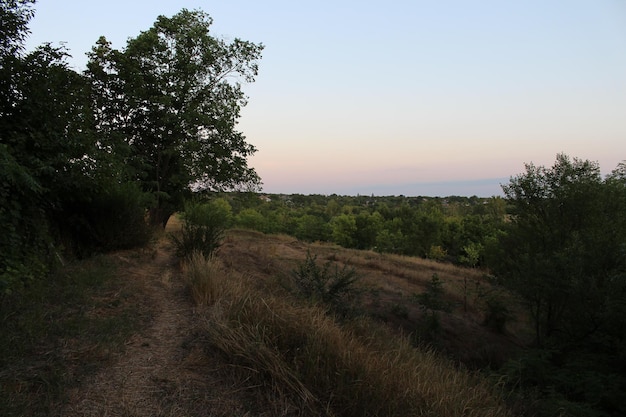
301	361
251	348
388	283
304	360
204	277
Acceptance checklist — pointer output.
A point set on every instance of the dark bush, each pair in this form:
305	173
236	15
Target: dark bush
497	314
327	284
25	241
110	220
203	229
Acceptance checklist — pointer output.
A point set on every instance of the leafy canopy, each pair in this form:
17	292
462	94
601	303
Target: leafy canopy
170	102
565	254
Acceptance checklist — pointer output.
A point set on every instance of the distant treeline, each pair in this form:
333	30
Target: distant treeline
455	229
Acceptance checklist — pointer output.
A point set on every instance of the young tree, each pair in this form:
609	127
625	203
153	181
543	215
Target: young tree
169	102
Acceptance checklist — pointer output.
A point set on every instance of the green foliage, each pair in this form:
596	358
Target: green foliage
51	163
431	303
399	310
563	253
558	383
327	284
14	18
471	254
203	229
563	245
343	230
368	226
113	219
402	225
388	241
170	102
73	147
311	228
437	253
251	219
41	105
25	239
223	210
425	229
497	313
432	300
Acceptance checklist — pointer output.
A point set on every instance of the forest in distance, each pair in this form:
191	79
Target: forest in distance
431	227
99	161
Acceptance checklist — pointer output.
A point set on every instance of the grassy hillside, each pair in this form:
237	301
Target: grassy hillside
389	284
376	360
138	333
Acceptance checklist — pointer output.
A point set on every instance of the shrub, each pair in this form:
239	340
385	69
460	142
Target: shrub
497	314
25	242
399	310
111	219
327	284
119	218
472	253
493	303
249	218
431	302
437	253
202	231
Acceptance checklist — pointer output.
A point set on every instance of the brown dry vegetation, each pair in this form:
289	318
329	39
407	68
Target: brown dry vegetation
244	346
390	282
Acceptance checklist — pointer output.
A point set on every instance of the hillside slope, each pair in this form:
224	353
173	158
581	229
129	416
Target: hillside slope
390	283
169	367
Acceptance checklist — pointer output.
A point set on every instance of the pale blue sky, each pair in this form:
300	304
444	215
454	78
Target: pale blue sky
403	97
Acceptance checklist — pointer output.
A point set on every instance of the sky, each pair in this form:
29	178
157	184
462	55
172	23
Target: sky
430	98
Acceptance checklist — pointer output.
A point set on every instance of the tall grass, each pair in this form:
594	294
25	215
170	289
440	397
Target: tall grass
303	359
204	278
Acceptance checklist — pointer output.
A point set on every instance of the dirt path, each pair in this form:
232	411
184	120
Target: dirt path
160	373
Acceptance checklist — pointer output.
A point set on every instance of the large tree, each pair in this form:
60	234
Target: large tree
169	104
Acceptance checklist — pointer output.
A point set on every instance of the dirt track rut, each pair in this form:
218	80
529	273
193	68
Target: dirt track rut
158	374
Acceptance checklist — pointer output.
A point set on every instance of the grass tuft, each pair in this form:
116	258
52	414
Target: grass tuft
204	277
